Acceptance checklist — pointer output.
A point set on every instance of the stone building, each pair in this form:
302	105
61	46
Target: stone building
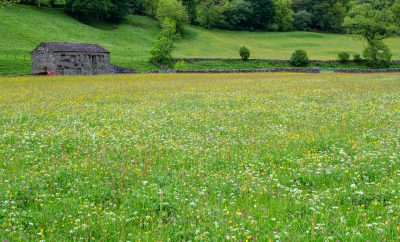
71	59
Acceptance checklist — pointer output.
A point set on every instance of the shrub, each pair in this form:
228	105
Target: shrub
357	58
180	65
343	57
299	58
244	53
378	55
161	51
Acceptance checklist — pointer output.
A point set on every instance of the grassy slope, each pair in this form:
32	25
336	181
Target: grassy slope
23	28
289	157
221	43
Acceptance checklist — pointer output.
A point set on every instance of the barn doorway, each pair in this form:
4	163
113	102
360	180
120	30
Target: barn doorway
60	71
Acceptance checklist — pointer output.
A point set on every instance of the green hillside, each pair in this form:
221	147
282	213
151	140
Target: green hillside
22	28
222	43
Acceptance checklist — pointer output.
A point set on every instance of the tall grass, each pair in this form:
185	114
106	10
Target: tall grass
200	157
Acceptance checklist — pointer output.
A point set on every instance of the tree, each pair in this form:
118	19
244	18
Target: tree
395	8
302	20
110	10
173	10
238	14
150	7
4	2
136	6
191	9
161	51
326	15
263	14
210	12
284	15
374	21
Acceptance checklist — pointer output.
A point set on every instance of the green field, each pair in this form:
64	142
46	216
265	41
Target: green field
288	157
22	28
256	64
221	43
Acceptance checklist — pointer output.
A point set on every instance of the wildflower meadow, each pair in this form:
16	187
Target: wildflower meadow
213	157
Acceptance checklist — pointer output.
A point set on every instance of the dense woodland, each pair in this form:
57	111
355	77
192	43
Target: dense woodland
270	15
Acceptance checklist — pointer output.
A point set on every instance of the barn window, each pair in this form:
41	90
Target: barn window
93	58
63	59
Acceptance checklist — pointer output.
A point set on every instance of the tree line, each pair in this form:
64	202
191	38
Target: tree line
263	15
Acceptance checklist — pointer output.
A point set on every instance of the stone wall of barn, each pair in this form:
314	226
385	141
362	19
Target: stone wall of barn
42	61
71	63
82	63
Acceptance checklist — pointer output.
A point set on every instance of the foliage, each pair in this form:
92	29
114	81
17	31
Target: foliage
284	15
238	14
112	10
168	29
344	57
4	2
378	55
371	19
244	53
130	42
303	20
191	9
210	12
277	15
161	51
263	14
180	65
357	58
299	58
375	21
173	10
136	6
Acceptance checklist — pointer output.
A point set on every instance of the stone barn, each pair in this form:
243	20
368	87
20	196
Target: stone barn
72	59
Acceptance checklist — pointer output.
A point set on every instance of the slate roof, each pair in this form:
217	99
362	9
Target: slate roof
73	47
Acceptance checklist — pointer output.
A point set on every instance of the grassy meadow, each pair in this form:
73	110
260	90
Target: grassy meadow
227	157
257	64
270	45
22	28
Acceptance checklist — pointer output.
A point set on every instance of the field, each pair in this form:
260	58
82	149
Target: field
226	44
23	28
257	64
200	157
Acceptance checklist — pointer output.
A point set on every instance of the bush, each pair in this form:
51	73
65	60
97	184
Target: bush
357	58
180	65
299	58
244	53
343	57
378	55
161	51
